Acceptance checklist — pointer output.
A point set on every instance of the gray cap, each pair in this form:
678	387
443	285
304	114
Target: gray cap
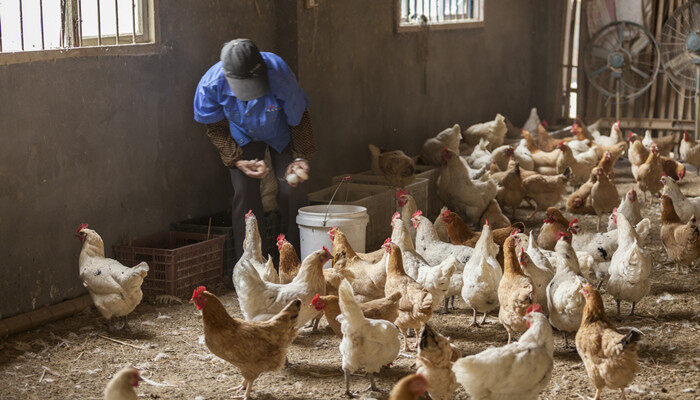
245	69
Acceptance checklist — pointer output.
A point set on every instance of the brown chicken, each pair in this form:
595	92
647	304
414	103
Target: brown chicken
435	358
617	150
416	303
604	196
515	292
609	355
554	222
253	347
546	191
494	214
649	174
681	241
580	201
689	151
510	188
367	279
546	142
396	167
410	387
580	130
122	385
638	154
672	168
461	234
530	142
606	164
386	308
289	261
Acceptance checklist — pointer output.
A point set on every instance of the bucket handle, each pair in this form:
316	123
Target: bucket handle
345	179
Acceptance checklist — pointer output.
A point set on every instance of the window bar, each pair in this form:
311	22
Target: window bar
0	35
21	25
41	16
80	22
443	10
415	8
116	21
99	25
133	21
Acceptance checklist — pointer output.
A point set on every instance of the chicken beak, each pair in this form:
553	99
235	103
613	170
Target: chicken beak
191	301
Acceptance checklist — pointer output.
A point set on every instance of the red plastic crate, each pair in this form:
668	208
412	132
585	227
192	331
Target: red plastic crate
178	261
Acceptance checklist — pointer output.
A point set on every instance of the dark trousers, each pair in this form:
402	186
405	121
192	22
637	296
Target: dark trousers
247	196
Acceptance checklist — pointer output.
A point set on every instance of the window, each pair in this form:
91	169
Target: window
38	25
439	14
570	61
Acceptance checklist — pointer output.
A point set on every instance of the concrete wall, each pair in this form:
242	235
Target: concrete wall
111	140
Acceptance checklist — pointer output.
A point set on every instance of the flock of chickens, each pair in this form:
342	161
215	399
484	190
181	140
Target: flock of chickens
375	301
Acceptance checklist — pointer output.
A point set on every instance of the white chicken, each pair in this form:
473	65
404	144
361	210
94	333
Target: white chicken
630	267
122	384
114	288
367	343
431	152
481	276
493	131
522	155
408	206
481	156
433	250
540	273
519	370
252	253
629	207
459	191
564	299
579	147
647	141
685	207
532	121
261	300
614	138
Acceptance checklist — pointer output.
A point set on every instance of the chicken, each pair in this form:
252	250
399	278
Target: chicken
604	196
581	165
480	156
493	131
630	266
532	121
408	207
289	261
564	299
515	292
629	207
410	387
122	384
616	150
609	355
434	361
554	222
367	343
253	347
494	214
546	191
367	278
502	155
252	253
685	207
615	136
461	192
260	300
416	303
397	168
439	226
386	308
536	256
664	143
579	202
545	141
539	273
689	151
510	189
114	288
460	233
637	153
606	164
432	150
672	168
518	370
431	248
681	240
649	174
523	155
481	277
546	161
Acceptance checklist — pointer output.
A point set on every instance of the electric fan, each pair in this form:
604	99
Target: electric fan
680	51
621	61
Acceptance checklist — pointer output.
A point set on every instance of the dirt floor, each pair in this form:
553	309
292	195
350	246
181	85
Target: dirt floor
73	358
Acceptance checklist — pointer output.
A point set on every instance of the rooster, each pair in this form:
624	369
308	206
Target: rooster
115	289
121	386
253	347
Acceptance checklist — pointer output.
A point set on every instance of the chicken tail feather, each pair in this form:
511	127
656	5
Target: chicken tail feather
633	336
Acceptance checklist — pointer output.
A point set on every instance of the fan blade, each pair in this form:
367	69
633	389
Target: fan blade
639	45
599	52
598	71
620	31
677	62
639	72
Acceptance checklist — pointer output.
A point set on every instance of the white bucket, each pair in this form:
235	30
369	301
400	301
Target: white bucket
352	220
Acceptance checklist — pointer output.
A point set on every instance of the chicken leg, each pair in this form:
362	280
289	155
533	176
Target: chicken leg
473	319
632	311
483	319
372	386
622	394
447	305
618	309
347	384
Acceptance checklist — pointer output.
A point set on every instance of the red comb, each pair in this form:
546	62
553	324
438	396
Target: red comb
81	227
514	231
681	174
487	221
387	241
250	212
347	179
326	250
315	299
198	291
417	214
561	143
534	308
573	221
401	192
396	215
281	238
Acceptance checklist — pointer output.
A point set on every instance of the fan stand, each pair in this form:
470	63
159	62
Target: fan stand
616	60
693	45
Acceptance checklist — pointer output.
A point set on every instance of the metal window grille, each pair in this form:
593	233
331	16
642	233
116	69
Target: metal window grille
27	25
440	11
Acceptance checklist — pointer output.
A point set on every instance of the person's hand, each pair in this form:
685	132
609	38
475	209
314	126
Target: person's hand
297	172
301	164
253	168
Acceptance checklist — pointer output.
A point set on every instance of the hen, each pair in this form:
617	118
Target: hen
564	299
604	196
260	300
615	136
367	278
664	143
609	355
408	207
515	292
481	277
510	191
681	240
494	214
554	222
114	288
630	266
289	261
518	370
690	151
637	153
493	131
432	150
121	386
434	361
367	343
410	387
581	165
433	250
459	191
579	202
397	168
439	226
685	207
386	308
252	253
540	273
649	174
481	156
253	347
546	191
629	207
